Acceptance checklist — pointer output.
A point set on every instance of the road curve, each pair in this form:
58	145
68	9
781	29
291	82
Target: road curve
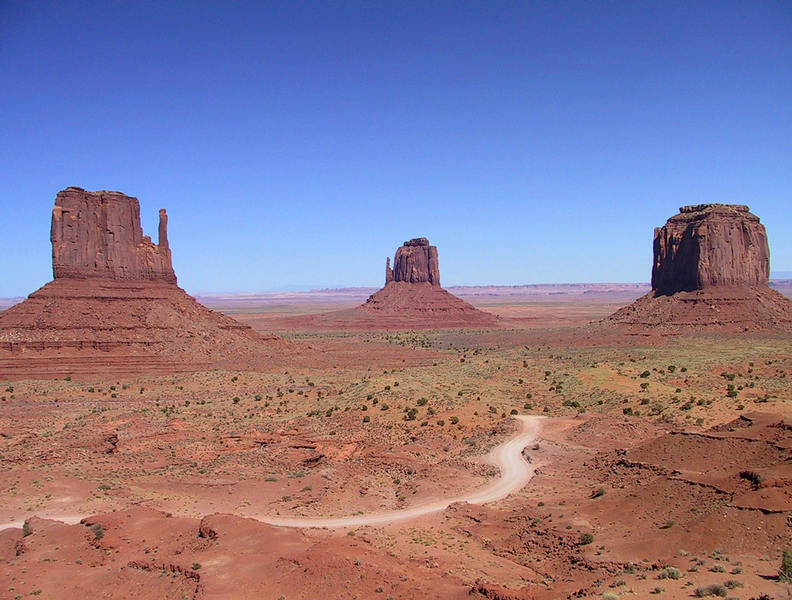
516	472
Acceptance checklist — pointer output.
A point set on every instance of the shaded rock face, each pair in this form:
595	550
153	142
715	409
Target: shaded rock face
98	235
415	262
710	245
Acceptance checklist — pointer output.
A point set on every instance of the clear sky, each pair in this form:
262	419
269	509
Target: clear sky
302	142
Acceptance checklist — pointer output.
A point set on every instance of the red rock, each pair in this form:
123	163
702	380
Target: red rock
98	234
415	262
114	306
710	245
710	272
412	296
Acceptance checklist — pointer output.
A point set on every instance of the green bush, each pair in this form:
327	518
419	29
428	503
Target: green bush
785	572
586	539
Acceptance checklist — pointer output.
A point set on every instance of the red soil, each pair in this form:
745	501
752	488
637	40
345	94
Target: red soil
717	309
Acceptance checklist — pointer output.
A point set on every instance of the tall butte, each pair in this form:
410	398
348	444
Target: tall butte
710	272
412	296
114	305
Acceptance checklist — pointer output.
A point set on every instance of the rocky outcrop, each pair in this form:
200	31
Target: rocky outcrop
114	306
415	262
710	245
710	273
98	235
412	296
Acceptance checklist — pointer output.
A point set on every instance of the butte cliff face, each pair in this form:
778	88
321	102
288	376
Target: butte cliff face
98	235
412	296
415	262
710	245
114	305
710	271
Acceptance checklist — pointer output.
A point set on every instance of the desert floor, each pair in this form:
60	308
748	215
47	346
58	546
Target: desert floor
660	467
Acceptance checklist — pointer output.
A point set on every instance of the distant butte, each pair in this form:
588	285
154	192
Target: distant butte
415	262
114	305
412	295
710	272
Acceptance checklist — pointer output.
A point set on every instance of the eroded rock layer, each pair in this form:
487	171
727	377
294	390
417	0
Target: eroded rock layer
114	305
710	273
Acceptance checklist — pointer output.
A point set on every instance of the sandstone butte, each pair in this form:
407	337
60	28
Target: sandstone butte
412	296
710	272
114	304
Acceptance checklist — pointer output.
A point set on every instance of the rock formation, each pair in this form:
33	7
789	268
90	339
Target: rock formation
710	271
415	262
114	305
412	296
710	245
98	235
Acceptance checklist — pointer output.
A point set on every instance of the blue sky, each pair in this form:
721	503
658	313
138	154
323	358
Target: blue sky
302	142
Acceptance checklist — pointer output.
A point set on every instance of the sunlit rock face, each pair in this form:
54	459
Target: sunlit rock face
98	235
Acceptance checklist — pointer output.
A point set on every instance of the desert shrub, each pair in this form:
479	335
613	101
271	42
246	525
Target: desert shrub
366	419
711	590
453	420
586	539
718	569
97	530
644	375
513	411
785	572
598	492
422	402
670	573
609	596
26	529
733	583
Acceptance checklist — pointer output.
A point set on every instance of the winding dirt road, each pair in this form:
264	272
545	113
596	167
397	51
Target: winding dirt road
516	472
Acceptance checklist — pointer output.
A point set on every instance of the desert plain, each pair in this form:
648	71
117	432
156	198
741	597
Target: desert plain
660	464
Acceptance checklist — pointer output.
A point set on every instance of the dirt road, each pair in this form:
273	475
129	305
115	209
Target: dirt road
516	472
